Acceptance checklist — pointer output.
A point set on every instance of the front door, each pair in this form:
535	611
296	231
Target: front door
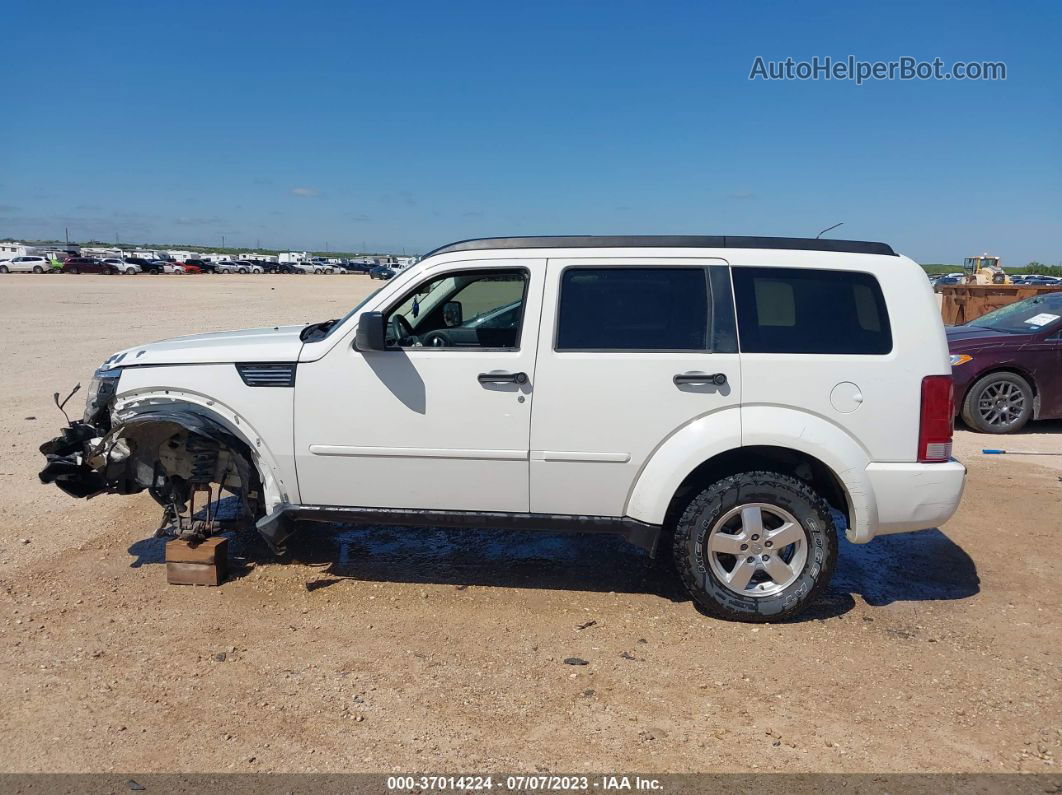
440	420
1043	359
631	350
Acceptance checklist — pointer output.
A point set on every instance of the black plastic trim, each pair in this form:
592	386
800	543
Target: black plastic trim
667	241
288	369
277	526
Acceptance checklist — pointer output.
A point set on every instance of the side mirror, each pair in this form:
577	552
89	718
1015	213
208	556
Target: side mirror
452	313
370	335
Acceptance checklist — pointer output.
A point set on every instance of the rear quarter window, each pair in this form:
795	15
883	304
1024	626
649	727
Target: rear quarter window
807	311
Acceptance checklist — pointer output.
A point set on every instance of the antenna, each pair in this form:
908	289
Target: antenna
827	229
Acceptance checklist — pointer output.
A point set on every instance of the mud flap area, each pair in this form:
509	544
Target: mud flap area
275	528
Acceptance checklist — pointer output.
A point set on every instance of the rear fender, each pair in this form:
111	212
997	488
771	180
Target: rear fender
771	426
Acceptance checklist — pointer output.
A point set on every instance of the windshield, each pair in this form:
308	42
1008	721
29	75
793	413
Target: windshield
336	324
1024	317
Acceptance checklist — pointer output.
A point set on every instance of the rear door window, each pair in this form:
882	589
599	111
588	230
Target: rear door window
633	309
806	311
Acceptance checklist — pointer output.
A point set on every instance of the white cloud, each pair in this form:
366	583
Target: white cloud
304	193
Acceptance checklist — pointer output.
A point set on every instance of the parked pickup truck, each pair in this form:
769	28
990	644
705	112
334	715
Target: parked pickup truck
734	402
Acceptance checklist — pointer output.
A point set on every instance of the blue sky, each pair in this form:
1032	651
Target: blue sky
405	125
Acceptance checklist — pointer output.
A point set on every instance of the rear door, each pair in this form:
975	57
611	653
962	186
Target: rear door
627	353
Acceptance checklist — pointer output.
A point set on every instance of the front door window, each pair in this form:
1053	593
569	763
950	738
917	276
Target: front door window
463	309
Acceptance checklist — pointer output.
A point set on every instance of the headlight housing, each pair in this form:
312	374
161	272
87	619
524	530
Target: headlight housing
959	358
101	391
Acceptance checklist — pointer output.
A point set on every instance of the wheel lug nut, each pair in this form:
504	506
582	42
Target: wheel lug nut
768	543
744	547
755	538
766	557
751	560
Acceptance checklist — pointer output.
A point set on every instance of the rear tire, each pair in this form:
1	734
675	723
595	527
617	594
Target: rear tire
3	269
38	269
755	547
998	403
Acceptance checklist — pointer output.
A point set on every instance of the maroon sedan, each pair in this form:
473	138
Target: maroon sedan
85	265
1007	365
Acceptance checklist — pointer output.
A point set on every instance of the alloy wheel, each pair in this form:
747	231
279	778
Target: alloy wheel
757	549
1001	403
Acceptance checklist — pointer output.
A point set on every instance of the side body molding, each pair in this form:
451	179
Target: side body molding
773	426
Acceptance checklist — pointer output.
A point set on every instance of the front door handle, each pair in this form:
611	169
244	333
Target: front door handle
700	378
501	377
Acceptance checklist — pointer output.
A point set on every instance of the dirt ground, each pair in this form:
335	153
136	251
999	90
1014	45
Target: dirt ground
384	649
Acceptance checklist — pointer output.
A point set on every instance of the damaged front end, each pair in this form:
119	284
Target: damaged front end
170	450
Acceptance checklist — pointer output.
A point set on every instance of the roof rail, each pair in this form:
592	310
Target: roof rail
667	241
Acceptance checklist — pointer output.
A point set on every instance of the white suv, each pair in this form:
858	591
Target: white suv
743	398
25	265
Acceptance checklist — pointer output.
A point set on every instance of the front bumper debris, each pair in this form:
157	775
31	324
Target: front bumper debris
174	454
66	467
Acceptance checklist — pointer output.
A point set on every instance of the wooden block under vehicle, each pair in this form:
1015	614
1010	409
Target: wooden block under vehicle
200	564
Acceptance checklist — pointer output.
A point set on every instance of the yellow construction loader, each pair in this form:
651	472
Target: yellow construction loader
984	270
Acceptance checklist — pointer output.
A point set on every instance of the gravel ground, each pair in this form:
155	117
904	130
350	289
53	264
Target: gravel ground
383	649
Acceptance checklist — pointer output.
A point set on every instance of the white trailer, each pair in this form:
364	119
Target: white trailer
150	253
10	250
256	256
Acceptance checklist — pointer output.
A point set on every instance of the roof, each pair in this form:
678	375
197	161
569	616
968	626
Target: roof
668	241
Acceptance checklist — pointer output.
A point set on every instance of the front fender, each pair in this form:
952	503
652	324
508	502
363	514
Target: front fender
207	417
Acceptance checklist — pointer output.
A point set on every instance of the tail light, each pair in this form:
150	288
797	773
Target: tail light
937	419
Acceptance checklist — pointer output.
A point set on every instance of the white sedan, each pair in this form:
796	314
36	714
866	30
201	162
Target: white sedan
313	267
122	266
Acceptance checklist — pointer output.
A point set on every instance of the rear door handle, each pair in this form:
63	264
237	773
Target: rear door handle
501	377
700	378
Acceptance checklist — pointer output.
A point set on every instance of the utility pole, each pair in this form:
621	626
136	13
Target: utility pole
223	241
67	230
